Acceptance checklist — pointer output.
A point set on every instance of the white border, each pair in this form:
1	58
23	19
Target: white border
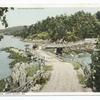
52	94
50	3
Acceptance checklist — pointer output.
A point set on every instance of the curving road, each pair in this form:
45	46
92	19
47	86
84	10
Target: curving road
63	76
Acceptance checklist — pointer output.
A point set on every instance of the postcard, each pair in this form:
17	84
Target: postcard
50	50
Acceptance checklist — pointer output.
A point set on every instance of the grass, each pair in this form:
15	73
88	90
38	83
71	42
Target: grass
15	56
82	79
40	78
31	70
47	68
76	65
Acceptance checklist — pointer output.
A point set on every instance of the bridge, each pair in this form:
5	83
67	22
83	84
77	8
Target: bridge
87	44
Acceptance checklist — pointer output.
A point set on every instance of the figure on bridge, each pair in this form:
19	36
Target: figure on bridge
35	46
59	51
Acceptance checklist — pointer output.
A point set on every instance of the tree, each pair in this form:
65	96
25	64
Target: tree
95	68
3	11
98	15
70	36
25	32
80	25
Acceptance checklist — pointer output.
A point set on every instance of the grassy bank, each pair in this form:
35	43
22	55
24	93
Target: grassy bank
16	57
80	73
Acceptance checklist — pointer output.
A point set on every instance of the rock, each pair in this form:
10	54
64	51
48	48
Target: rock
18	73
15	75
46	75
41	76
22	78
36	88
20	52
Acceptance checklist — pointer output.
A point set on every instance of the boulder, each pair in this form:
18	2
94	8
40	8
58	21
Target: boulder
18	73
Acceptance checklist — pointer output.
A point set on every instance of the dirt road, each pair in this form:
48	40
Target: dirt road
63	76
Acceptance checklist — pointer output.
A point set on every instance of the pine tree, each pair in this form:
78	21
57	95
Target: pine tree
95	67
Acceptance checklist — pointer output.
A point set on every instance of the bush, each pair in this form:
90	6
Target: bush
2	85
47	68
1	36
43	35
15	56
82	79
32	70
76	65
41	77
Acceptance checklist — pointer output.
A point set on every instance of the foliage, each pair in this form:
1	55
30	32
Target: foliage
39	76
3	11
47	68
82	79
42	35
70	36
98	15
2	85
15	56
76	65
65	28
31	70
1	36
95	68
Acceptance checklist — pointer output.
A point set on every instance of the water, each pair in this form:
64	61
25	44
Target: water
4	65
11	41
83	57
8	41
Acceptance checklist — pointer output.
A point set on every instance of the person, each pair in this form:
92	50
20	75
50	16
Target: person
35	46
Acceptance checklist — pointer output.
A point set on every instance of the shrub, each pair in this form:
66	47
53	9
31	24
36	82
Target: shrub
47	68
76	65
82	79
2	85
32	70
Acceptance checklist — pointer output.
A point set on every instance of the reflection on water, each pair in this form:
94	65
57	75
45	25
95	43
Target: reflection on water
8	41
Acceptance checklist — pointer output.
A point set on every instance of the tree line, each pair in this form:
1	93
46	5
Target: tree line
78	26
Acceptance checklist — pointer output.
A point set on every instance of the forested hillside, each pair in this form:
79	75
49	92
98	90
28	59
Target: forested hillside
12	30
64	28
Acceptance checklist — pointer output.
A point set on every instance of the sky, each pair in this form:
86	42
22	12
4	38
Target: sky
28	16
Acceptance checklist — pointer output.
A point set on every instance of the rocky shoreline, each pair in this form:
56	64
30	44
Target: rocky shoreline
25	75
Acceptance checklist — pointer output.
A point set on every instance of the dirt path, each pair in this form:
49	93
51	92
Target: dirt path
63	76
